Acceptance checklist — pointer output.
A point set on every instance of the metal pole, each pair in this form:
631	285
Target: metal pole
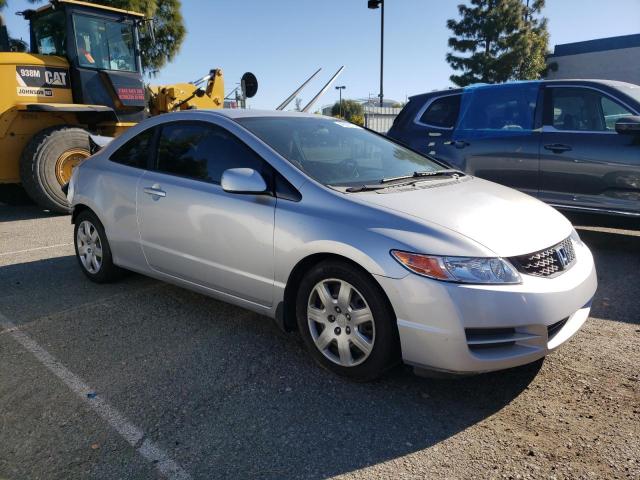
293	95
381	47
324	89
340	90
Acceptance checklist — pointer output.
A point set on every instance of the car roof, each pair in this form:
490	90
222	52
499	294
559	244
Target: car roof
609	83
237	113
581	81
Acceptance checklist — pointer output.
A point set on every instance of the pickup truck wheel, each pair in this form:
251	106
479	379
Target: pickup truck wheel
47	162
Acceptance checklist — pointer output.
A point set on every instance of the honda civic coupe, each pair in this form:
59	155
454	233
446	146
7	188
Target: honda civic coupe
374	253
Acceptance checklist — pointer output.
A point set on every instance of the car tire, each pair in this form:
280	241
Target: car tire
92	249
351	332
46	163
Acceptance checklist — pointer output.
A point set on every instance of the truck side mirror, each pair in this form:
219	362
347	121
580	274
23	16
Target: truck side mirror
628	125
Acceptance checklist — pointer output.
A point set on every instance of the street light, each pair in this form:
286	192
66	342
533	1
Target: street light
373	4
340	88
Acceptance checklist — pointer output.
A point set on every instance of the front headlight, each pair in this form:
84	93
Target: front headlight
459	269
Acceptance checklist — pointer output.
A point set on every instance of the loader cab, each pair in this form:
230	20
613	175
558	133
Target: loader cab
101	45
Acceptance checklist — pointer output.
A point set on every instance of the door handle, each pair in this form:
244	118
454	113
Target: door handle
155	191
558	147
458	143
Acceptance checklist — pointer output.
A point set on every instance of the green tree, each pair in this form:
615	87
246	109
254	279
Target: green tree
498	40
168	29
352	111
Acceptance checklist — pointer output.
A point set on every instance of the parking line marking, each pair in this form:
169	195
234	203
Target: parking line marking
133	435
35	249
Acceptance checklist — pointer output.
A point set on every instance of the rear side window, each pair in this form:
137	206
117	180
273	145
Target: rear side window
135	152
442	112
505	108
202	151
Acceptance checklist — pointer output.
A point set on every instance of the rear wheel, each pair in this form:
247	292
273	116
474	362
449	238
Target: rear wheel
47	162
346	322
92	249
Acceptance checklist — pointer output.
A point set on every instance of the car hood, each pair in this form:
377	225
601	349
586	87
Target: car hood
503	220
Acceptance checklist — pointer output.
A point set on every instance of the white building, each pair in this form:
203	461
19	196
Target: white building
613	58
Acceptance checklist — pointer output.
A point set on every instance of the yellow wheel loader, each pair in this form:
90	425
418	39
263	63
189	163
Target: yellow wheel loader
83	75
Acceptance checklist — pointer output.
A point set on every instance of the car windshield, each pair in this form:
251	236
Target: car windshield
335	152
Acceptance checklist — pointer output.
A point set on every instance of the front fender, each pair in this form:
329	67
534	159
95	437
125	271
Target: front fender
376	263
298	236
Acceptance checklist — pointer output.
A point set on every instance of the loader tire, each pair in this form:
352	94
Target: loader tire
46	163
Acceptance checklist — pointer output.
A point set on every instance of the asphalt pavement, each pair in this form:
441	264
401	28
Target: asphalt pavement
141	379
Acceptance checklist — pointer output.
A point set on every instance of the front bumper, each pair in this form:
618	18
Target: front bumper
479	328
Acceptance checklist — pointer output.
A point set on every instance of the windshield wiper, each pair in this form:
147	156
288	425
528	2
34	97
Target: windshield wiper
427	173
412	177
364	188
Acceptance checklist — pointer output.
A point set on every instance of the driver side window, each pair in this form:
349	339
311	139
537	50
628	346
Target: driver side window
202	151
582	110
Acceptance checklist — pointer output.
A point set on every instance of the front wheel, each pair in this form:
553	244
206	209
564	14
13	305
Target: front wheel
346	322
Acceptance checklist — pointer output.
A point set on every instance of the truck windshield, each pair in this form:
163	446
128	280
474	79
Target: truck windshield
104	44
335	152
50	34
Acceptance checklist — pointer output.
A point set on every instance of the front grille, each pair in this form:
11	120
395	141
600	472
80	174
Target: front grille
549	262
552	330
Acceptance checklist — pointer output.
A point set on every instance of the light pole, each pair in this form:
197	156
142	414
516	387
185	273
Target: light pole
373	4
340	88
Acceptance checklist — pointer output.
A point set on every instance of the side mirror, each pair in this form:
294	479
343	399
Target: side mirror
243	180
628	125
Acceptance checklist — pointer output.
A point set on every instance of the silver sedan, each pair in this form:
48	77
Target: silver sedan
374	253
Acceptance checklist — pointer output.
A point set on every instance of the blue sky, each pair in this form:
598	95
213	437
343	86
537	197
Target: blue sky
285	41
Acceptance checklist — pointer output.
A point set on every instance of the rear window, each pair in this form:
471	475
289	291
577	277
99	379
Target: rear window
442	112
